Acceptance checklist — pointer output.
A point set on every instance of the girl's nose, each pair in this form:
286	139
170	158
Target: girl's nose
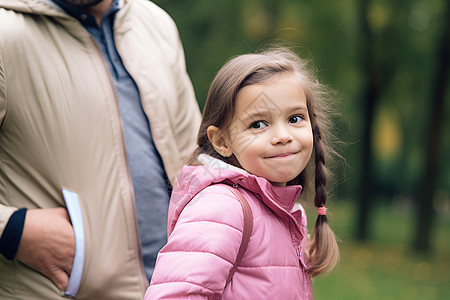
281	136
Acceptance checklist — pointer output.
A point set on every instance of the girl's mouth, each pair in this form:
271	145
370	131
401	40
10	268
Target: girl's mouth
283	155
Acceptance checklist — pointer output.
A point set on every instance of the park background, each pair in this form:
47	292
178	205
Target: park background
388	63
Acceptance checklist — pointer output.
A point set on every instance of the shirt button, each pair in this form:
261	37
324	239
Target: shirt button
83	17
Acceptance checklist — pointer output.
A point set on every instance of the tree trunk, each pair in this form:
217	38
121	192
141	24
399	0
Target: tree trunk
370	94
438	85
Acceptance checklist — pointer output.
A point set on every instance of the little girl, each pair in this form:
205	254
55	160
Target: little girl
263	123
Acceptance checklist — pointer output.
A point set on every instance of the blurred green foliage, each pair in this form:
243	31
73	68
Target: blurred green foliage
385	268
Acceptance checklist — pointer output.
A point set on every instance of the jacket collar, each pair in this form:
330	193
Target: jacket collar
280	199
214	170
81	14
73	26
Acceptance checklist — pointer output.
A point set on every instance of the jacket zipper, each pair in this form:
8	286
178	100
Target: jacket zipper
138	249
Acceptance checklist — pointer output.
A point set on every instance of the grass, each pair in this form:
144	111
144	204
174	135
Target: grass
386	267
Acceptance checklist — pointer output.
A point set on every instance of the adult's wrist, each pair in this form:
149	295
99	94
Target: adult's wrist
10	239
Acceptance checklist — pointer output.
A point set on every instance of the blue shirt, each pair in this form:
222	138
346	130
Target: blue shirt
150	183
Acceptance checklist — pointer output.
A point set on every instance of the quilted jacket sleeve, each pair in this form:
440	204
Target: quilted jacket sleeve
201	250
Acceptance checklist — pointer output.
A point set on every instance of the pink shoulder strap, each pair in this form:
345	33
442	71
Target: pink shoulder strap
247	231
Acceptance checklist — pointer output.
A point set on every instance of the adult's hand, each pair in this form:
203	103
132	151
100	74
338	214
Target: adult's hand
48	244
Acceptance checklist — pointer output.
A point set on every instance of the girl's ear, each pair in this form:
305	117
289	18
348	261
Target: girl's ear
218	141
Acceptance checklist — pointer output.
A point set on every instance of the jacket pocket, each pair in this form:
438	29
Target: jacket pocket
76	217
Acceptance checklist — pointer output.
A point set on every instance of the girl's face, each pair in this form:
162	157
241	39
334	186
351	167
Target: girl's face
270	133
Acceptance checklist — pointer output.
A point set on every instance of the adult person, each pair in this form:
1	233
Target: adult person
94	100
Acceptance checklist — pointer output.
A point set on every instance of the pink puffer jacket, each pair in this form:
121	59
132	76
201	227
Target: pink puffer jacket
205	231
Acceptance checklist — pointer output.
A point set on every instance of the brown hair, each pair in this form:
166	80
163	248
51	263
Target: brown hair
258	68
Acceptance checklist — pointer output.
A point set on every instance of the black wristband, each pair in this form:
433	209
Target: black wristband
10	239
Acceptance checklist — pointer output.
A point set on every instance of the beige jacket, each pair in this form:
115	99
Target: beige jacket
60	127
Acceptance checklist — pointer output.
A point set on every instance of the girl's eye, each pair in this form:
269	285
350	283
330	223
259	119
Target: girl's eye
295	119
258	125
